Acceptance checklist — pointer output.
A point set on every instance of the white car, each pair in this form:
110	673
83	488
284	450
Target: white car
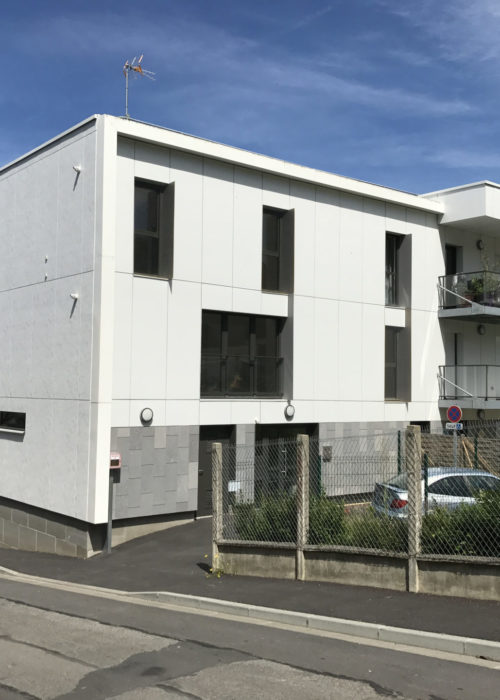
447	487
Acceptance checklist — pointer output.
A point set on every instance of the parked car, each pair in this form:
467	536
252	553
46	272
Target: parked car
447	488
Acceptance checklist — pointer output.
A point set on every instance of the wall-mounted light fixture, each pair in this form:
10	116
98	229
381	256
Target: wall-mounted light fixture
147	415
480	244
481	414
481	329
289	411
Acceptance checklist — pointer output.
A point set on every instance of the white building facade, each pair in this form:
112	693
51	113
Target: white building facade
159	291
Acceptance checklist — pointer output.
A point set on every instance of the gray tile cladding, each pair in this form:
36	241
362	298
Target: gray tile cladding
155	468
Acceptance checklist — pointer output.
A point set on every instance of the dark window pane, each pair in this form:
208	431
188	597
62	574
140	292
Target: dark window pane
211	375
146	209
145	254
266	375
391	352
270	239
270	272
12	420
238	375
391	269
266	337
238	335
450	486
211	333
483	483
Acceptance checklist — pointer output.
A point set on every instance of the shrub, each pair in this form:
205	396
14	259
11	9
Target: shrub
326	521
273	520
469	530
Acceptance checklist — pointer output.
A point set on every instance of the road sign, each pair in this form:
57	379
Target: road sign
454	426
454	414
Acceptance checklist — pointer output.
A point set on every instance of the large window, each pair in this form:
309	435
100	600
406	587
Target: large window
240	355
153	229
277	250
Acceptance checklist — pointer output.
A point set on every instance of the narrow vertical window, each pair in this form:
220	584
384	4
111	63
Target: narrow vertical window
277	250
391	362
397	270
153	229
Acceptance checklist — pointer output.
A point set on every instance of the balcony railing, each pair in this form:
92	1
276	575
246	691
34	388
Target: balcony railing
240	375
465	288
469	381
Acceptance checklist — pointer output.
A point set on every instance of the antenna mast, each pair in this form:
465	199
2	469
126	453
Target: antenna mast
137	68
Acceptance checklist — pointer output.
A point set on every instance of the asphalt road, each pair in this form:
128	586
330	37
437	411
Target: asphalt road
59	644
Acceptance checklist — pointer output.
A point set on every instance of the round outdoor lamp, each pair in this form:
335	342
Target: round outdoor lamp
289	411
146	415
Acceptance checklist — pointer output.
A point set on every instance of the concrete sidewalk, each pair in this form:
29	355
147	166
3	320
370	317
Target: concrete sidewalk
174	560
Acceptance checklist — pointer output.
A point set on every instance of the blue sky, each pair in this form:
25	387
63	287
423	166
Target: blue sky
396	92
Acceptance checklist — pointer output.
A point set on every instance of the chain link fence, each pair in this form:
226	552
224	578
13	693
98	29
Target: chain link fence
362	493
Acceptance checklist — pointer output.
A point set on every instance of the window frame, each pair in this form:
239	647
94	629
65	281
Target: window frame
164	232
284	252
251	357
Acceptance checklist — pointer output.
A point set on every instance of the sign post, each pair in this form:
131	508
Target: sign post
454	414
115	464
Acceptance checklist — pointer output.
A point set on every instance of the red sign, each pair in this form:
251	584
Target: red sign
454	414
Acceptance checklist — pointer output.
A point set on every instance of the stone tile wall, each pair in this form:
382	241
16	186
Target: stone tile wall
33	529
159	473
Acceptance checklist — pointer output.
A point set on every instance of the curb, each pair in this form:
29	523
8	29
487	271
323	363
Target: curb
464	646
434	641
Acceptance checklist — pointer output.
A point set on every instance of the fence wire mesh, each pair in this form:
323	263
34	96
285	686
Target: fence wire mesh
461	491
359	497
259	486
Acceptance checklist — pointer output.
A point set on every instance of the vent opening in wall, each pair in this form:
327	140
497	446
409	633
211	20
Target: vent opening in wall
12	422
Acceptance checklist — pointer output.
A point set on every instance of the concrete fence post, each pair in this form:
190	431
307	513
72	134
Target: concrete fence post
302	503
414	477
217	505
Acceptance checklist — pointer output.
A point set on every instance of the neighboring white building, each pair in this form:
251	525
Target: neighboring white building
238	284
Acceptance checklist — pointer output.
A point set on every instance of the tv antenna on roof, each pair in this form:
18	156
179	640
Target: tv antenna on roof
134	65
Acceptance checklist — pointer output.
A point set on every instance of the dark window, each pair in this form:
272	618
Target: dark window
451	486
391	362
392	246
12	421
277	250
240	355
153	229
480	482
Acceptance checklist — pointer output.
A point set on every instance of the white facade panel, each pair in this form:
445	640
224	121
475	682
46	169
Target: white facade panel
247	235
351	248
218	223
350	351
327	255
186	174
184	341
148	378
302	201
303	348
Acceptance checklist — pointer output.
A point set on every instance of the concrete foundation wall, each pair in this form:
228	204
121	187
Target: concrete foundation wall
36	530
455	578
33	529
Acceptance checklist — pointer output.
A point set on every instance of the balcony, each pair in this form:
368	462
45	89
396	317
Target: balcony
471	296
472	386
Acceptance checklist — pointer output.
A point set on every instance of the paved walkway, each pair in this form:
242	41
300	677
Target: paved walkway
174	560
